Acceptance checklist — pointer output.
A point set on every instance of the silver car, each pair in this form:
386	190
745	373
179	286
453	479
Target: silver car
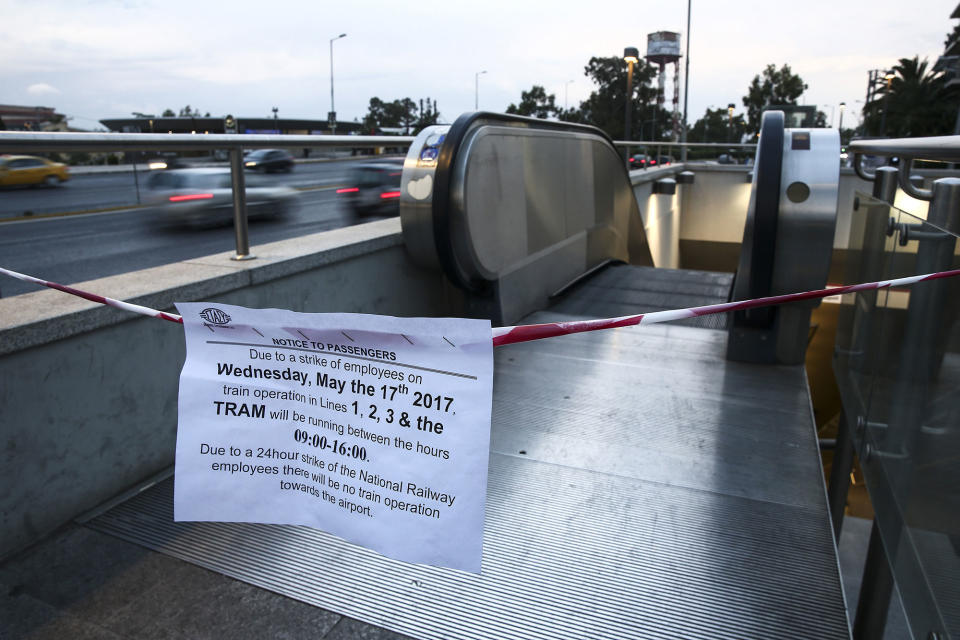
204	197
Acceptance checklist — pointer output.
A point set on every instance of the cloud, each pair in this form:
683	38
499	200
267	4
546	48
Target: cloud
42	89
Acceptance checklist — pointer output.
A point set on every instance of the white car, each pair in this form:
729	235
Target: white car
204	197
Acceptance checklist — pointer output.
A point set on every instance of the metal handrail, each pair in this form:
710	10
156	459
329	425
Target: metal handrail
942	148
21	141
701	145
906	168
862	173
938	148
57	141
666	146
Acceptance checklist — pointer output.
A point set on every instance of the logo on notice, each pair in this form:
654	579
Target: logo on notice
214	315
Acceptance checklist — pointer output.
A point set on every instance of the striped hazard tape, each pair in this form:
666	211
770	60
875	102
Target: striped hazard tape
525	333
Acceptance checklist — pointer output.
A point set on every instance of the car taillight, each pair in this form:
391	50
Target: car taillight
389	194
191	196
348	190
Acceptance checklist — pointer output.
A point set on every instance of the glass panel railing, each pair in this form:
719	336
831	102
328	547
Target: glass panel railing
897	364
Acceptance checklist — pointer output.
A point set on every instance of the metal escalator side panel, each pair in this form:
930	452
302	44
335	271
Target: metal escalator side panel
506	191
417	195
788	239
810	176
806	228
521	193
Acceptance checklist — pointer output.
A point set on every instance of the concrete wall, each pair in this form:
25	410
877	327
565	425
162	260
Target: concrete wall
713	211
660	214
88	400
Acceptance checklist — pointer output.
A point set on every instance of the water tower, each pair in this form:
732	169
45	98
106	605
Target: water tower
663	48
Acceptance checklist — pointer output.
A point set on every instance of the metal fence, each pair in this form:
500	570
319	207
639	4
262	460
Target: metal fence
234	144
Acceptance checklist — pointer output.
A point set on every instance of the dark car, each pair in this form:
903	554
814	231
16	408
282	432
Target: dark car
643	161
639	161
373	187
269	160
166	161
204	197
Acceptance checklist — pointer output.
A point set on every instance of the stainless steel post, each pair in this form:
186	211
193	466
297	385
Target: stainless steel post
136	180
876	587
885	184
884	188
840	467
239	205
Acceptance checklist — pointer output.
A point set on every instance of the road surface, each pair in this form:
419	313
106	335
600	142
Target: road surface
98	191
74	248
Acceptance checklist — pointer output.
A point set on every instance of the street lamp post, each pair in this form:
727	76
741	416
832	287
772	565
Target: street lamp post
332	116
730	107
843	106
630	56
476	89
686	91
276	123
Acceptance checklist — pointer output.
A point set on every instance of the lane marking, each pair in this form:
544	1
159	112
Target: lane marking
126	207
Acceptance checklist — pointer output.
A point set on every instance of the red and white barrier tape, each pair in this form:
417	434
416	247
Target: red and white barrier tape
119	304
525	333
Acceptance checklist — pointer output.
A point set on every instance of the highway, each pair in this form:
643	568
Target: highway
73	248
97	191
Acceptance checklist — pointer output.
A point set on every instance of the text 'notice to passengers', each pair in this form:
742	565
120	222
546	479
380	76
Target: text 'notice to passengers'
372	428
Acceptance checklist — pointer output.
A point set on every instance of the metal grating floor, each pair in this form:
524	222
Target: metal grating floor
640	486
622	290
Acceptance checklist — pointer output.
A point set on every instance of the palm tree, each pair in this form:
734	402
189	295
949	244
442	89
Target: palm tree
917	103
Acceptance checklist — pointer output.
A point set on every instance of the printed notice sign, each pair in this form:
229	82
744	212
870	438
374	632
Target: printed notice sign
375	429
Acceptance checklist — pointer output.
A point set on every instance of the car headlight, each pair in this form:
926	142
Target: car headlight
251	164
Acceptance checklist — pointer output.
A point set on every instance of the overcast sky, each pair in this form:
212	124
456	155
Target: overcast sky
98	59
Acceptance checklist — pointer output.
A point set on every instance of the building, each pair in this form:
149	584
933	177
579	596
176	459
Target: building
24	118
190	124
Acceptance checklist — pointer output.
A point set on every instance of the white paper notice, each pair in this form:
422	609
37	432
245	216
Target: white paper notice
372	428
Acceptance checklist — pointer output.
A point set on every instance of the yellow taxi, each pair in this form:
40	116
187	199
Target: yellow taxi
30	170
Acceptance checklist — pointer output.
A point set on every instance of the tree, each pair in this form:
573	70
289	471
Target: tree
773	86
429	115
846	135
185	112
953	35
917	103
535	103
399	113
716	125
605	106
